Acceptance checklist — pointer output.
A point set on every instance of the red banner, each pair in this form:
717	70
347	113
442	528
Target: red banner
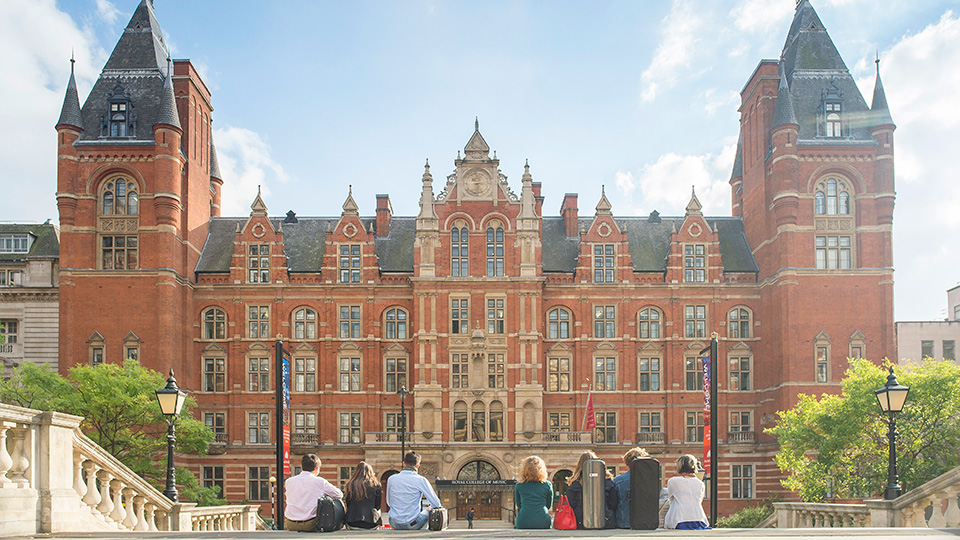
706	413
591	418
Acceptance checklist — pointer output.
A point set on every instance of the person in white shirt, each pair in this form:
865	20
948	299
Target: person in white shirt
685	493
301	495
404	491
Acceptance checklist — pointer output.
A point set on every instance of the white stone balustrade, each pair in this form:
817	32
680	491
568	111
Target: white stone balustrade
54	479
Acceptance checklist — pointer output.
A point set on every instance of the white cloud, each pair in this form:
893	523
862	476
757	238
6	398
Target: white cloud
665	184
714	100
678	40
762	16
36	39
245	165
107	11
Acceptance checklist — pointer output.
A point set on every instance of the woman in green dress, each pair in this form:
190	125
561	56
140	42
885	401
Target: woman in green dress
533	495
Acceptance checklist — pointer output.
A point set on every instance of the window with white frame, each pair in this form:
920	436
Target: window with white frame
651	422
459	316
739	321
304	324
214	374
460	370
350	263
606	431
258	374
695	321
259	483
603	263
558	374
258	263
119	252
349	374
605	373
693	373
694	263
558	324
349	322
823	363
604	322
396	324
214	324
304	422
15	243
649	374
740	421
495	250
833	253
396	374
216	421
741	482
694	426
11	278
394	422
258	322
496	370
832	197
495	315
740	373
558	421
10	330
258	428
459	252
649	323
119	198
350	428
304	374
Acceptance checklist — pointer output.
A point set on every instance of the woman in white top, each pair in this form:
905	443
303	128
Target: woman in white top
685	493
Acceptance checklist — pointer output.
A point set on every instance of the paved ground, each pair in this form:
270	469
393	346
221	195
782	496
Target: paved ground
458	534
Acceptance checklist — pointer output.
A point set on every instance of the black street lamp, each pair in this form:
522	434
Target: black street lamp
171	401
891	399
403	392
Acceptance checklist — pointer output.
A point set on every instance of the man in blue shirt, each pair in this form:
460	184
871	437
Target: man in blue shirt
623	487
404	491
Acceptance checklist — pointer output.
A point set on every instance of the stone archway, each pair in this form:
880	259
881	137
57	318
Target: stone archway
560	484
485	502
384	478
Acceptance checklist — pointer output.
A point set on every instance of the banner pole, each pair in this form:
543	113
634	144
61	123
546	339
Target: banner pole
278	375
714	413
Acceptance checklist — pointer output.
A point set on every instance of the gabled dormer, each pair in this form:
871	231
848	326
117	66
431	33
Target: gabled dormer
350	246
831	120
695	248
604	252
258	256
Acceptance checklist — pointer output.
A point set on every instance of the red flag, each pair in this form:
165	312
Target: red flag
590	418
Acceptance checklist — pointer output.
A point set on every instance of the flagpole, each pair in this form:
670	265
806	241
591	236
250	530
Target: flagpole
583	422
714	414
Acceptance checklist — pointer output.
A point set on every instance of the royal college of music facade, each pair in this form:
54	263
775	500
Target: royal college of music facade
496	313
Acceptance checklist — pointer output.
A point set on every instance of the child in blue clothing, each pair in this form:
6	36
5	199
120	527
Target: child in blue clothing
623	487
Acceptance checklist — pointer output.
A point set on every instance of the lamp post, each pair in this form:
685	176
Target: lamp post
403	392
171	401
273	508
891	399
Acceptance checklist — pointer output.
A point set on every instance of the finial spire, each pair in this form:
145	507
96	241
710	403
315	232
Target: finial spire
476	123
877	61
70	112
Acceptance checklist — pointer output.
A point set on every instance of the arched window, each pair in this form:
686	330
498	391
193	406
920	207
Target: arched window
558	324
119	197
396	324
649	324
460	421
478	421
214	324
494	250
739	320
496	421
305	324
832	198
459	251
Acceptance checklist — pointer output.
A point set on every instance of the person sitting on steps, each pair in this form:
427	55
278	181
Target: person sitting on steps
301	494
404	491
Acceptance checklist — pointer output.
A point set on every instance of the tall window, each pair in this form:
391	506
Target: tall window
395	422
11	278
258	428
558	324
649	374
651	422
495	315
213	478
459	316
496	370
349	374
740	421
558	374
558	421
833	252
926	348
460	369
695	321
693	373
649	325
214	374
396	324
833	126
949	349
349	322
259	479
96	355
304	374
305	324
119	252
350	428
459	252
258	263
305	422
460	421
606	431
217	422
9	329
345	472
350	263
823	363
739	323
396	374
214	324
495	251
15	243
603	263
258	374
496	421
694	426
258	322
478	422
604	321
741	482
119	198
605	373
740	373
832	198
694	263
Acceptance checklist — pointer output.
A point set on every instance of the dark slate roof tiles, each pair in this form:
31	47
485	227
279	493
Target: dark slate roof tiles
70	112
46	242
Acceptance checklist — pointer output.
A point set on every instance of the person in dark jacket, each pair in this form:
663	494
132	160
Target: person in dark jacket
362	497
575	494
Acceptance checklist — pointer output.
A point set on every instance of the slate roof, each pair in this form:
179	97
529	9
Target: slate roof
738	159
214	162
46	243
811	63
70	112
305	242
138	64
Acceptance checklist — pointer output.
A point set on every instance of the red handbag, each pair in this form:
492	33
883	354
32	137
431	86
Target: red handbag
564	519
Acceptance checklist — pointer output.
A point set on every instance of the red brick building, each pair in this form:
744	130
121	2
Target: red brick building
499	318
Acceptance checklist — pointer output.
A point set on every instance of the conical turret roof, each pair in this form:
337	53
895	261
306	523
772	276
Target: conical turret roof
881	113
167	112
784	113
141	46
70	112
214	162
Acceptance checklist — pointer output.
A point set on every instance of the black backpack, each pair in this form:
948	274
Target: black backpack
330	514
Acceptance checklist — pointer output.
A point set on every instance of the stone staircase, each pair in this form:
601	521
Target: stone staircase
481	524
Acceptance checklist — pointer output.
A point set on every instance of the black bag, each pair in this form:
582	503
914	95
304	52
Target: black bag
644	493
330	513
438	519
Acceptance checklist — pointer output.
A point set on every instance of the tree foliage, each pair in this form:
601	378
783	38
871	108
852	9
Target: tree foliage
120	413
836	446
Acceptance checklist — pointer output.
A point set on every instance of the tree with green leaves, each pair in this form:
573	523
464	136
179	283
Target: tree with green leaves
835	447
120	413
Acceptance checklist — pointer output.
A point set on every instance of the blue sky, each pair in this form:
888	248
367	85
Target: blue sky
641	97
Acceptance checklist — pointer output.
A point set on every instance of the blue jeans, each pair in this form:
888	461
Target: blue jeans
417	522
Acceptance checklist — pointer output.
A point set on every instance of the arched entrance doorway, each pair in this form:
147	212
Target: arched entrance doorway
560	484
384	478
485	502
